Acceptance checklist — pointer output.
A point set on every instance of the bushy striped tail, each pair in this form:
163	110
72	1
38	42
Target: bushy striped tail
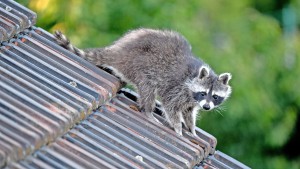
63	41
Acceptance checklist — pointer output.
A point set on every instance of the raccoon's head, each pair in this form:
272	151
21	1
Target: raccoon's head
208	89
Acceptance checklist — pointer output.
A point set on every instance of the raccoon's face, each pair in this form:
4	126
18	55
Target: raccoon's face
209	91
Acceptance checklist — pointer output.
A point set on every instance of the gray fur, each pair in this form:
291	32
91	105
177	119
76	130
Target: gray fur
160	63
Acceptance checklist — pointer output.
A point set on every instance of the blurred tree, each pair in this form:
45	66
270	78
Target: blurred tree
231	36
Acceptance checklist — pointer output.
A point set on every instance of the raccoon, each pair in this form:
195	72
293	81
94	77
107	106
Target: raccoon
160	64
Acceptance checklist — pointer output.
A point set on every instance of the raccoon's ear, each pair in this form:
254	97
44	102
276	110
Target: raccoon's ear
203	72
224	78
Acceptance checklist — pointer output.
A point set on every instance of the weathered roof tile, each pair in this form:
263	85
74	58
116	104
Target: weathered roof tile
14	18
44	91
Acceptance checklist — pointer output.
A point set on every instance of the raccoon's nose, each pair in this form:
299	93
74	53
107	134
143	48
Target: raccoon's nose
206	107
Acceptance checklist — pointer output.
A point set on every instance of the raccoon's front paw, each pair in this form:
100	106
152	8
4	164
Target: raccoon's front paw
178	128
191	129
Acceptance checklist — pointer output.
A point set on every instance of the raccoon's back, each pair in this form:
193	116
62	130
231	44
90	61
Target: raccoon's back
153	53
151	42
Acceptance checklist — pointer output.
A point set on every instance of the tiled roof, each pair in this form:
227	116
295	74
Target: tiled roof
59	111
14	18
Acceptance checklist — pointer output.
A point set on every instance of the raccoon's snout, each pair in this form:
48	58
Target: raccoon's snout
206	106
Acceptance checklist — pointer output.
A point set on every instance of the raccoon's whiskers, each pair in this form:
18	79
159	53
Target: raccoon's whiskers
219	110
223	108
219	113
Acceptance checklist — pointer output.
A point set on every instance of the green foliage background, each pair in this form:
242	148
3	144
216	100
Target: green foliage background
231	36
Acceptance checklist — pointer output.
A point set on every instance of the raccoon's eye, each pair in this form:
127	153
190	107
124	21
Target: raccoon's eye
203	93
215	97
